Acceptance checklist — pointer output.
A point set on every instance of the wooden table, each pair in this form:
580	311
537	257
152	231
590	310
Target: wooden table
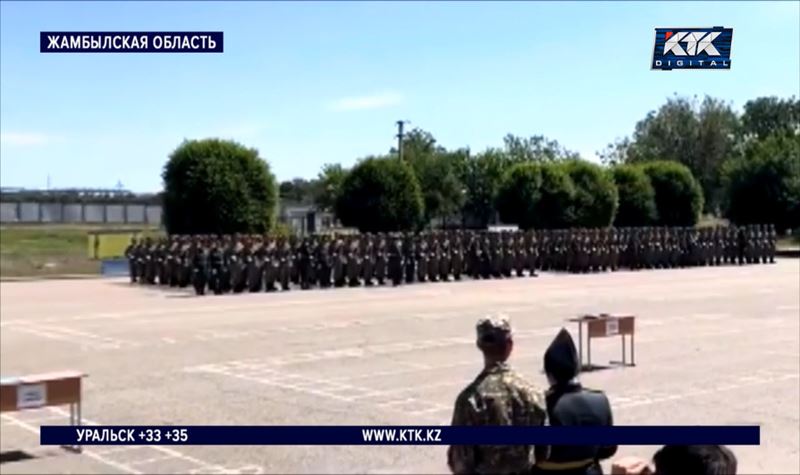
602	326
42	390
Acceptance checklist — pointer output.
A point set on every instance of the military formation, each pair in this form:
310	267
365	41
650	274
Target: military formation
256	263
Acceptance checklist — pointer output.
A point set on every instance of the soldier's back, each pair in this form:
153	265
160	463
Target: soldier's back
497	397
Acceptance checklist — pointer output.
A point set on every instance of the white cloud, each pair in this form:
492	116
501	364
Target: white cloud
374	101
23	139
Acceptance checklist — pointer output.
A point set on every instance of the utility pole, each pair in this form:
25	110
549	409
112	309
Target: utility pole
400	124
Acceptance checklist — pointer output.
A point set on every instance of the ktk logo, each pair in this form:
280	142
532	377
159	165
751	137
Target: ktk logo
692	48
696	43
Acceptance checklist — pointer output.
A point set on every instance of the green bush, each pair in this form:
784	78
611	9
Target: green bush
679	198
596	198
637	199
763	186
533	195
556	196
218	187
380	195
518	194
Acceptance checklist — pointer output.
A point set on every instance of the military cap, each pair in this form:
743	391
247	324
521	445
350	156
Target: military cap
493	329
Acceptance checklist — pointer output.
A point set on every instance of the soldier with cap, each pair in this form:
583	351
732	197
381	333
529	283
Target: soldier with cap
381	257
771	243
497	397
457	255
130	254
199	258
409	258
570	404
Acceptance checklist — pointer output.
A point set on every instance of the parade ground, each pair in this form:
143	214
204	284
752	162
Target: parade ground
718	345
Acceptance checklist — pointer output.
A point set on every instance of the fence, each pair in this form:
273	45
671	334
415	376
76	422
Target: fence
85	213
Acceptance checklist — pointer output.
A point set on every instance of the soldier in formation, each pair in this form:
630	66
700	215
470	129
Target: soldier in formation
256	263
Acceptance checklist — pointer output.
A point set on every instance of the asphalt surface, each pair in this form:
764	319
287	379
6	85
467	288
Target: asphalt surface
714	345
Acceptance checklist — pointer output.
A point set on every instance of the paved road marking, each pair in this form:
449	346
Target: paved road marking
89	453
85	340
166	453
724	386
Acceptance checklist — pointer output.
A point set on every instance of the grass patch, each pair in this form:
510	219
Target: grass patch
40	251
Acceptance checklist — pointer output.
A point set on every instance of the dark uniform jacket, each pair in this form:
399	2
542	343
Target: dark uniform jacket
569	404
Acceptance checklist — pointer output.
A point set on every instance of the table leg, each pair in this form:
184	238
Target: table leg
78	421
624	362
589	351
580	343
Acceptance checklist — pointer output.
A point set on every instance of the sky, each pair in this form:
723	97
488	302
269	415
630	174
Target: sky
313	83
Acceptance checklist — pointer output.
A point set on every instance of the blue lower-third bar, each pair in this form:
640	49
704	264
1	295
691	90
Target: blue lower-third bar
397	435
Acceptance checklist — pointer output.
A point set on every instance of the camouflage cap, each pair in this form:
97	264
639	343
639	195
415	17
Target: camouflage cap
493	329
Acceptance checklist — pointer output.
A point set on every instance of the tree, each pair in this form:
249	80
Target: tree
481	176
679	199
536	195
556	195
763	186
437	172
418	143
596	198
637	199
536	148
701	136
218	186
616	153
766	116
518	195
443	191
298	190
380	195
328	185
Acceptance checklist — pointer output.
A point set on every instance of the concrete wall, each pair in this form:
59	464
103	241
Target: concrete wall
33	212
51	212
135	213
115	214
29	212
153	215
8	213
73	213
94	213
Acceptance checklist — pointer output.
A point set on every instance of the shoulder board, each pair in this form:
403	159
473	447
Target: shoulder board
596	391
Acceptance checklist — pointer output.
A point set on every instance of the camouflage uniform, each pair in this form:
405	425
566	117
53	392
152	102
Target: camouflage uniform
409	258
199	259
457	256
354	263
394	259
444	259
339	255
497	397
130	254
255	267
433	258
421	249
380	259
367	252
771	243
